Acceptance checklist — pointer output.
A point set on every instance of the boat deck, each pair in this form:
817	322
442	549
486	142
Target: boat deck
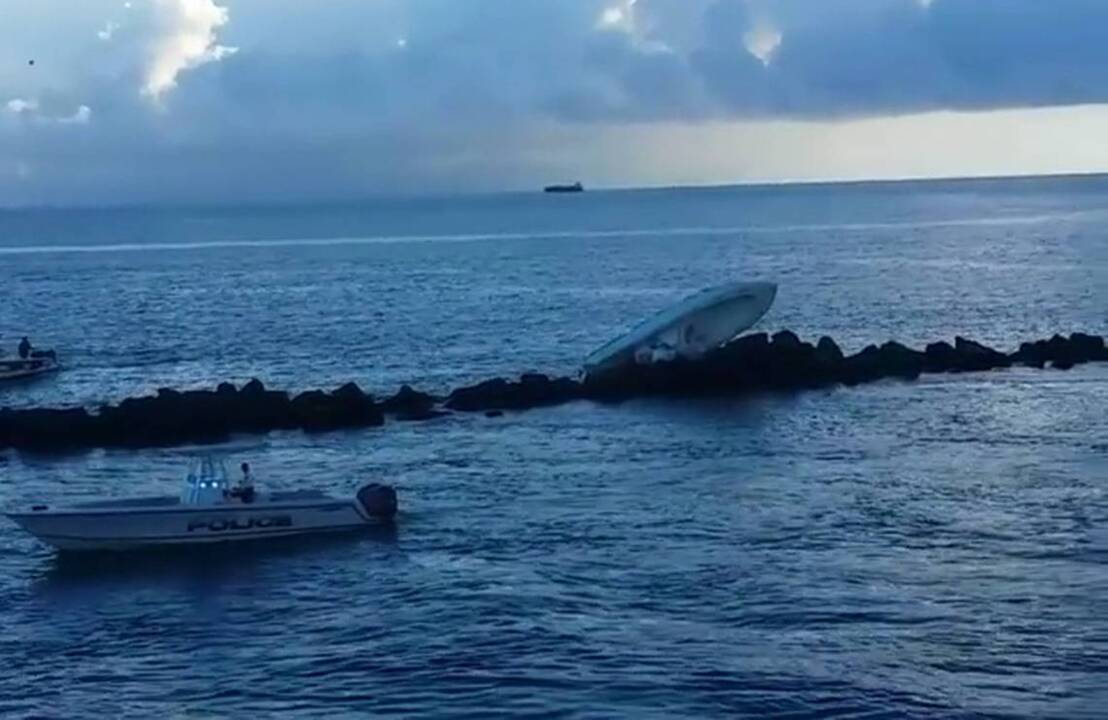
170	501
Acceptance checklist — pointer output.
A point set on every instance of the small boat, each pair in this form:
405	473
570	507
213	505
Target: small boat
39	363
698	324
208	510
574	188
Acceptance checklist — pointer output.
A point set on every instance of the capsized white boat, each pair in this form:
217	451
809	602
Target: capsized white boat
697	324
20	368
208	510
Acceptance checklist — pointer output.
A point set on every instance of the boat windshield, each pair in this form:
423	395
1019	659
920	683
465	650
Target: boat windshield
206	482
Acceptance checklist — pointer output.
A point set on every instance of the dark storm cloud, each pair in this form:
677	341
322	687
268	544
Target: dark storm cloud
878	57
184	96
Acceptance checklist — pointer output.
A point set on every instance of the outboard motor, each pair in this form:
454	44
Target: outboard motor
378	501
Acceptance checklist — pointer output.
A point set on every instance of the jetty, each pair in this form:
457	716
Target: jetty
749	364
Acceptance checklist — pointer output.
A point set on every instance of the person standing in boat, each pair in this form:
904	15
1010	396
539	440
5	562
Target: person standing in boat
24	348
244	490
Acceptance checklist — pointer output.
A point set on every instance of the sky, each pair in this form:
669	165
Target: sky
124	101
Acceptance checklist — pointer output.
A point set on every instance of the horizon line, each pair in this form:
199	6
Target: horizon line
538	190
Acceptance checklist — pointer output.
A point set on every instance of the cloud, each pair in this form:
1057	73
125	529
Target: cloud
80	116
856	58
108	30
762	41
350	96
620	16
186	39
19	106
29	109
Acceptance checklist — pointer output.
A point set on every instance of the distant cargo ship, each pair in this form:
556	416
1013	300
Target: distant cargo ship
575	187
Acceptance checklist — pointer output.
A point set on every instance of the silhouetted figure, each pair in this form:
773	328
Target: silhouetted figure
245	488
24	348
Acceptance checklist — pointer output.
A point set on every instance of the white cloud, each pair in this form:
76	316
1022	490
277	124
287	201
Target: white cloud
762	41
19	106
109	29
624	18
187	39
29	108
620	16
80	117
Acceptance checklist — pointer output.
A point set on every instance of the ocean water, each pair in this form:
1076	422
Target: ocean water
936	549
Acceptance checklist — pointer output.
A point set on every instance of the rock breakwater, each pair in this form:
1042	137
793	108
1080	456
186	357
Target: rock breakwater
752	363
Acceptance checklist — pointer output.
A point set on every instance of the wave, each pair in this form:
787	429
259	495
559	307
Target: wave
551	235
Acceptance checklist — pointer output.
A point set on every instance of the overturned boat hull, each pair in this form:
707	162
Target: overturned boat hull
694	326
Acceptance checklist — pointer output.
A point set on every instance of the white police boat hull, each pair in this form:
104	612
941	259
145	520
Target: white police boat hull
141	522
205	513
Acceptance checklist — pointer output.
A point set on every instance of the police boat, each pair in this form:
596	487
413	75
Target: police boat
208	510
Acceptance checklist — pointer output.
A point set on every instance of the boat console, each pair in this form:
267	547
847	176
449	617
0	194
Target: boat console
206	483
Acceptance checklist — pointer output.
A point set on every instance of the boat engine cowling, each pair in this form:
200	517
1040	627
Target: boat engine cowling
378	501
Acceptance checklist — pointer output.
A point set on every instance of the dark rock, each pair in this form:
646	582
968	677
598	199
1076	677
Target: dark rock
411	405
531	391
864	366
1058	344
356	408
786	339
964	356
253	388
828	352
348	407
1089	348
46	429
226	388
975	356
792	364
1076	349
901	361
1062	364
485	395
314	412
263	411
408	400
940	357
169	418
744	364
747	344
891	360
1032	354
351	393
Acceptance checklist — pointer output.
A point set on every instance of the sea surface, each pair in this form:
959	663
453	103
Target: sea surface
935	549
